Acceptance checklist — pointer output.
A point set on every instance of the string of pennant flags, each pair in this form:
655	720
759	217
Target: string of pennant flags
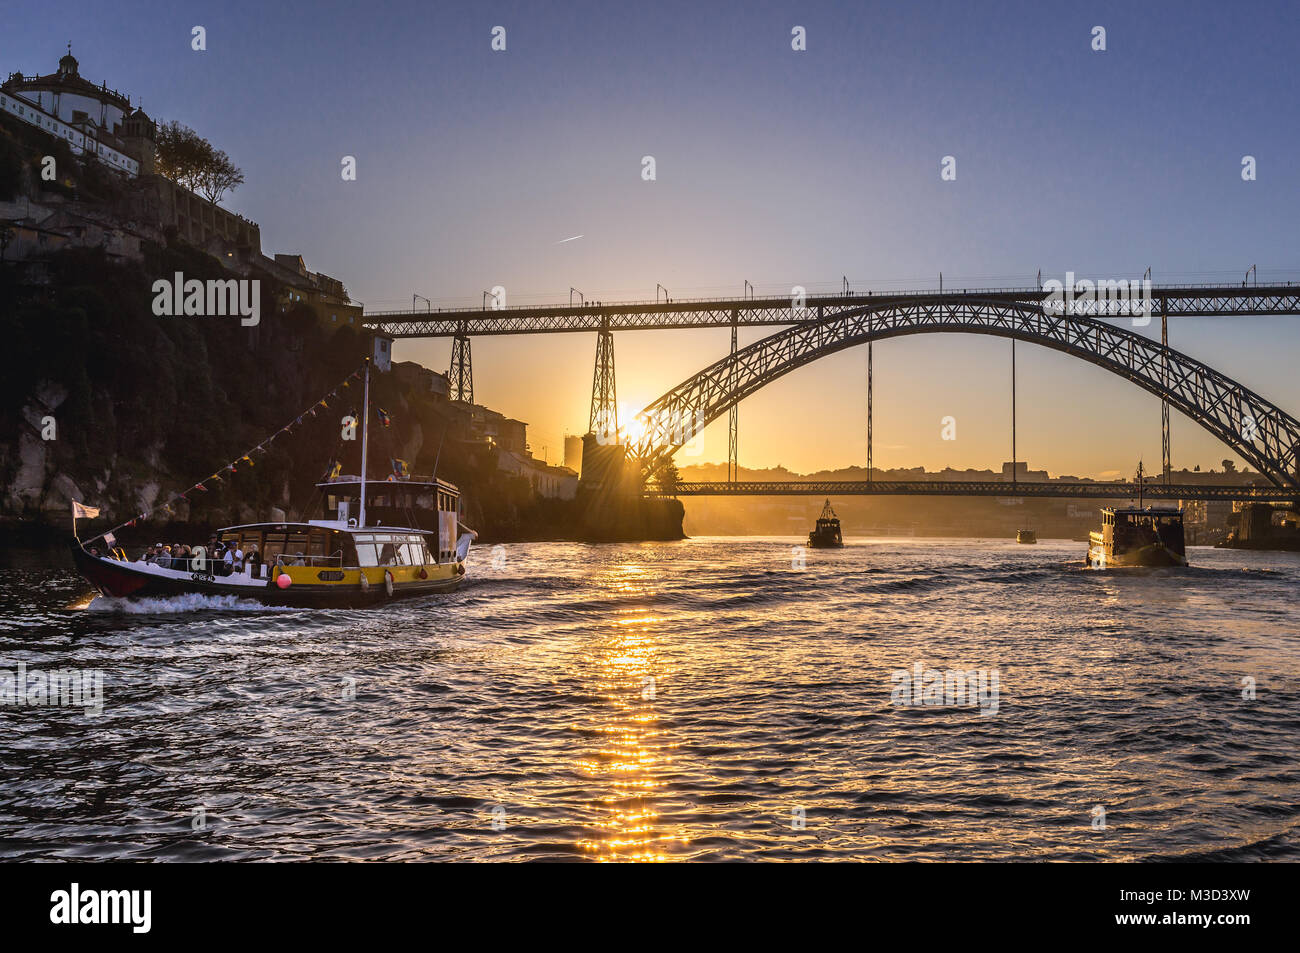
246	459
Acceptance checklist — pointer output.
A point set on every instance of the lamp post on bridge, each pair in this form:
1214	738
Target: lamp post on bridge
659	288
428	305
574	291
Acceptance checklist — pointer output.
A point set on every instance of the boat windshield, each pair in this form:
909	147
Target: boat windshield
391	549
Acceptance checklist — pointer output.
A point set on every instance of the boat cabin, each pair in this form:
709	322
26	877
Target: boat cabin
396	502
1117	524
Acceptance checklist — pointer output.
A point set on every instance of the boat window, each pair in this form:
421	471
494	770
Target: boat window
274	546
414	554
387	555
317	544
295	549
366	554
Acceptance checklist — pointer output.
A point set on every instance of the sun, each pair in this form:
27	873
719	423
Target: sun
631	427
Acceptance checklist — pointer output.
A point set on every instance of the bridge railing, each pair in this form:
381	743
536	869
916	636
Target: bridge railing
873	294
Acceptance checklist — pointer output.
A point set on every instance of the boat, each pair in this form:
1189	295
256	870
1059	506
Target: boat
343	561
1138	536
826	534
1026	536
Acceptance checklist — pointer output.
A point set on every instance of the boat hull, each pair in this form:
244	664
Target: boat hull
821	542
125	580
1154	555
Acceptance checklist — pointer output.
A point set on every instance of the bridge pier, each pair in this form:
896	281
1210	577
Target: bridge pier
461	373
603	421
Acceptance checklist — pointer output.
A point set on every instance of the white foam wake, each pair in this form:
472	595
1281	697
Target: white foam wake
190	602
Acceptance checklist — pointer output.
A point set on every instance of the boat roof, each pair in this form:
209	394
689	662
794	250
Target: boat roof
389	484
1143	510
336	525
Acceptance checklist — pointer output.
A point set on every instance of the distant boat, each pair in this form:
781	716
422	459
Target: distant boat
1026	536
826	534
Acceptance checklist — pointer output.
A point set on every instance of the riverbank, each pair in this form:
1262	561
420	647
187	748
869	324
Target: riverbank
543	521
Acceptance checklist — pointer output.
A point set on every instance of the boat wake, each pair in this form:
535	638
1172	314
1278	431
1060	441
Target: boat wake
190	602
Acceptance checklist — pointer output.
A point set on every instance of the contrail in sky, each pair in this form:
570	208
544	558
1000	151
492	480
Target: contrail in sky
573	239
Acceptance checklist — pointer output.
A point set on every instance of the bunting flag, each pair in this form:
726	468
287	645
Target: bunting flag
88	512
400	467
335	471
383	416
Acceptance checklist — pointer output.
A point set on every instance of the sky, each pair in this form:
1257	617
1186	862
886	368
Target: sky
773	166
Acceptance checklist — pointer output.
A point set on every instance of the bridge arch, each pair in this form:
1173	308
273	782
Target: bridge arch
1260	432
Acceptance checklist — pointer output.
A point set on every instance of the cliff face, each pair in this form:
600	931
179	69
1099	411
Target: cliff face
104	402
110	405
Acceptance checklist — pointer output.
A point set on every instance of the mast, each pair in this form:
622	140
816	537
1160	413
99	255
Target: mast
365	443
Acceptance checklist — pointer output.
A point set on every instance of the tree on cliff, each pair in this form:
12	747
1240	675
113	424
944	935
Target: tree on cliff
669	478
190	161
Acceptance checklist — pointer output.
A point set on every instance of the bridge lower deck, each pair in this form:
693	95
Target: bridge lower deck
994	488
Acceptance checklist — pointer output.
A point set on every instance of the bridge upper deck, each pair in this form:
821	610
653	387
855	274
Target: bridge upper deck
1172	300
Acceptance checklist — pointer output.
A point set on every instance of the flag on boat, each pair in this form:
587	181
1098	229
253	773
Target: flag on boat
335	471
80	512
401	467
383	416
110	539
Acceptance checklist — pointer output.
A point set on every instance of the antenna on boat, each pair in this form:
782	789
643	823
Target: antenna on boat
365	443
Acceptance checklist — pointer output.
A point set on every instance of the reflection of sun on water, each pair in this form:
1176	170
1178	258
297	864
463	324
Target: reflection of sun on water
628	678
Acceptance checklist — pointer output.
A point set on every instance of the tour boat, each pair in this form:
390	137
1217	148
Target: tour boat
1138	536
826	534
1026	536
341	562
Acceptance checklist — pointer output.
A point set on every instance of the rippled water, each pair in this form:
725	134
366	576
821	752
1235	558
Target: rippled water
674	701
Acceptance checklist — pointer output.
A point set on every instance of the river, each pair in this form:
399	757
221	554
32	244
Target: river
711	699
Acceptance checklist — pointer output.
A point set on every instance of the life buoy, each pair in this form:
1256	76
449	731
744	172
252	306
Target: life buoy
388	583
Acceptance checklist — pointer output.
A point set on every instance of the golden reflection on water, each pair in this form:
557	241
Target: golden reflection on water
628	675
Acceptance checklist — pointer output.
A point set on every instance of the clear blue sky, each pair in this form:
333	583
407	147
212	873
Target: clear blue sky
774	166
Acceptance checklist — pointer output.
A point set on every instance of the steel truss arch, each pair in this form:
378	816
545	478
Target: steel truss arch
1260	432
